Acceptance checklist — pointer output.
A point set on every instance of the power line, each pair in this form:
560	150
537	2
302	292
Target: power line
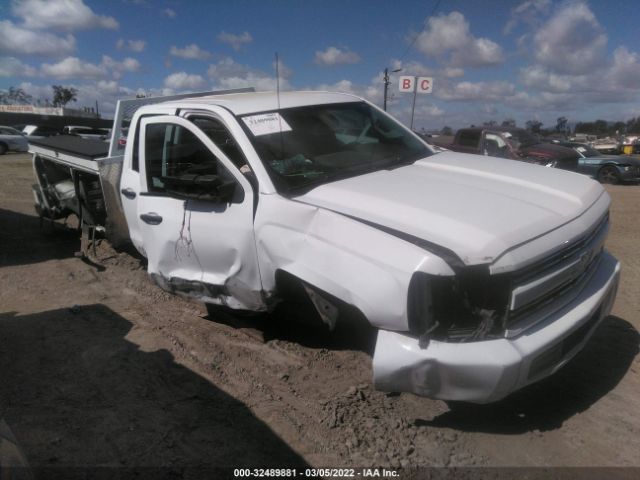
433	10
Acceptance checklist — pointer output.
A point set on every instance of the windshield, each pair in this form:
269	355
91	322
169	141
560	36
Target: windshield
587	151
307	146
521	138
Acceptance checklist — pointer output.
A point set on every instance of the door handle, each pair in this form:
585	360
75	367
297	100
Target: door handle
151	218
129	193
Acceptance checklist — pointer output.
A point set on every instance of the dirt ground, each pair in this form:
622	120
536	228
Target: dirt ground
98	367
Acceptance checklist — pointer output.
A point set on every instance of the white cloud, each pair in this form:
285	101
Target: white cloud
410	68
227	74
117	68
184	81
336	56
191	52
133	45
373	91
539	78
108	86
528	13
16	40
449	35
625	70
475	91
236	41
74	68
427	111
169	12
12	67
36	91
572	41
60	14
452	72
283	70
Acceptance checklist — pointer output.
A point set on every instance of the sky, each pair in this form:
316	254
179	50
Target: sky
525	60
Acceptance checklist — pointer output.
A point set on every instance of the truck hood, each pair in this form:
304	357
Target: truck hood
477	207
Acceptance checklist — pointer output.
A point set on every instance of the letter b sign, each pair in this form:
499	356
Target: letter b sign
407	84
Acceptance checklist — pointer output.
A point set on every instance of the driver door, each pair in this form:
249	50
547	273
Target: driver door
197	243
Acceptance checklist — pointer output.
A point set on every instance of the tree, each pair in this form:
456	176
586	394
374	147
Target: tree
534	125
509	122
490	123
63	95
601	127
15	96
446	130
619	128
633	125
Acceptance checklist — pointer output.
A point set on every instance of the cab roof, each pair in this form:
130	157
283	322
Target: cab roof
255	102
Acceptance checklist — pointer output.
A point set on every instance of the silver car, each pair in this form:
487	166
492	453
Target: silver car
12	140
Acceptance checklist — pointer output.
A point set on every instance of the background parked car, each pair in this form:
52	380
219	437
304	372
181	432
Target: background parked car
607	146
12	140
512	143
86	132
40	131
605	168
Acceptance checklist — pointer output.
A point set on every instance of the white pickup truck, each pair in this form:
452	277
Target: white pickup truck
482	274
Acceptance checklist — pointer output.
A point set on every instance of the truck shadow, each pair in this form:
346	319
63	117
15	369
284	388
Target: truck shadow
24	240
77	393
545	405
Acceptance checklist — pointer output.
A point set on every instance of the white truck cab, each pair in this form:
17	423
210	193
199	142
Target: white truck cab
482	274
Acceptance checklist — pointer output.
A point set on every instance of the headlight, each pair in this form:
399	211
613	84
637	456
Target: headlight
469	306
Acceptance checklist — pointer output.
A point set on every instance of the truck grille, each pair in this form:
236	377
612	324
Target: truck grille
546	286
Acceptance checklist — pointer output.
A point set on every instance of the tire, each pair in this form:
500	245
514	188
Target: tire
609	174
3	149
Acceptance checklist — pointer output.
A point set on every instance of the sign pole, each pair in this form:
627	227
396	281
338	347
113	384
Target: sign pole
413	107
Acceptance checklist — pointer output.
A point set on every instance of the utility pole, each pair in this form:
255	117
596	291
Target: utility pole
386	85
386	88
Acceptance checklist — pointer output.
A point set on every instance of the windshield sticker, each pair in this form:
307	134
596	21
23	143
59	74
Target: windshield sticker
266	124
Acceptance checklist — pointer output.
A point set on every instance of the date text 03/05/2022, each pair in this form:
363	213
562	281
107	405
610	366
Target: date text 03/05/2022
316	472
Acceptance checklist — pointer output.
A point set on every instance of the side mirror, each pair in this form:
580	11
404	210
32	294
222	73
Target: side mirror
210	188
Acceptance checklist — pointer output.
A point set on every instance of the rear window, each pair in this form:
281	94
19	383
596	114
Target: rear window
469	138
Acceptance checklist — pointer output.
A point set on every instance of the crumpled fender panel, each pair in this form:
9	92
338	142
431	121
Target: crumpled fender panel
352	261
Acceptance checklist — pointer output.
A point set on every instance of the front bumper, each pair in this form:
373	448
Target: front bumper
631	175
16	146
483	372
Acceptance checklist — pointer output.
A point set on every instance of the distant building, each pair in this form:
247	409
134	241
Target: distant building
50	111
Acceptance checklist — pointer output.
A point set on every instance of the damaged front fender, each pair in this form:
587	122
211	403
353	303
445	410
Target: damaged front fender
354	262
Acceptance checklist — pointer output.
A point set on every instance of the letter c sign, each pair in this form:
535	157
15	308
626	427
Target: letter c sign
425	85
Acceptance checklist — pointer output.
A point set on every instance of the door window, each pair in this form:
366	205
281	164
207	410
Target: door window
218	133
495	146
175	156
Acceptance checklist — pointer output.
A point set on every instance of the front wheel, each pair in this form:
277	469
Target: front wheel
3	149
609	174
